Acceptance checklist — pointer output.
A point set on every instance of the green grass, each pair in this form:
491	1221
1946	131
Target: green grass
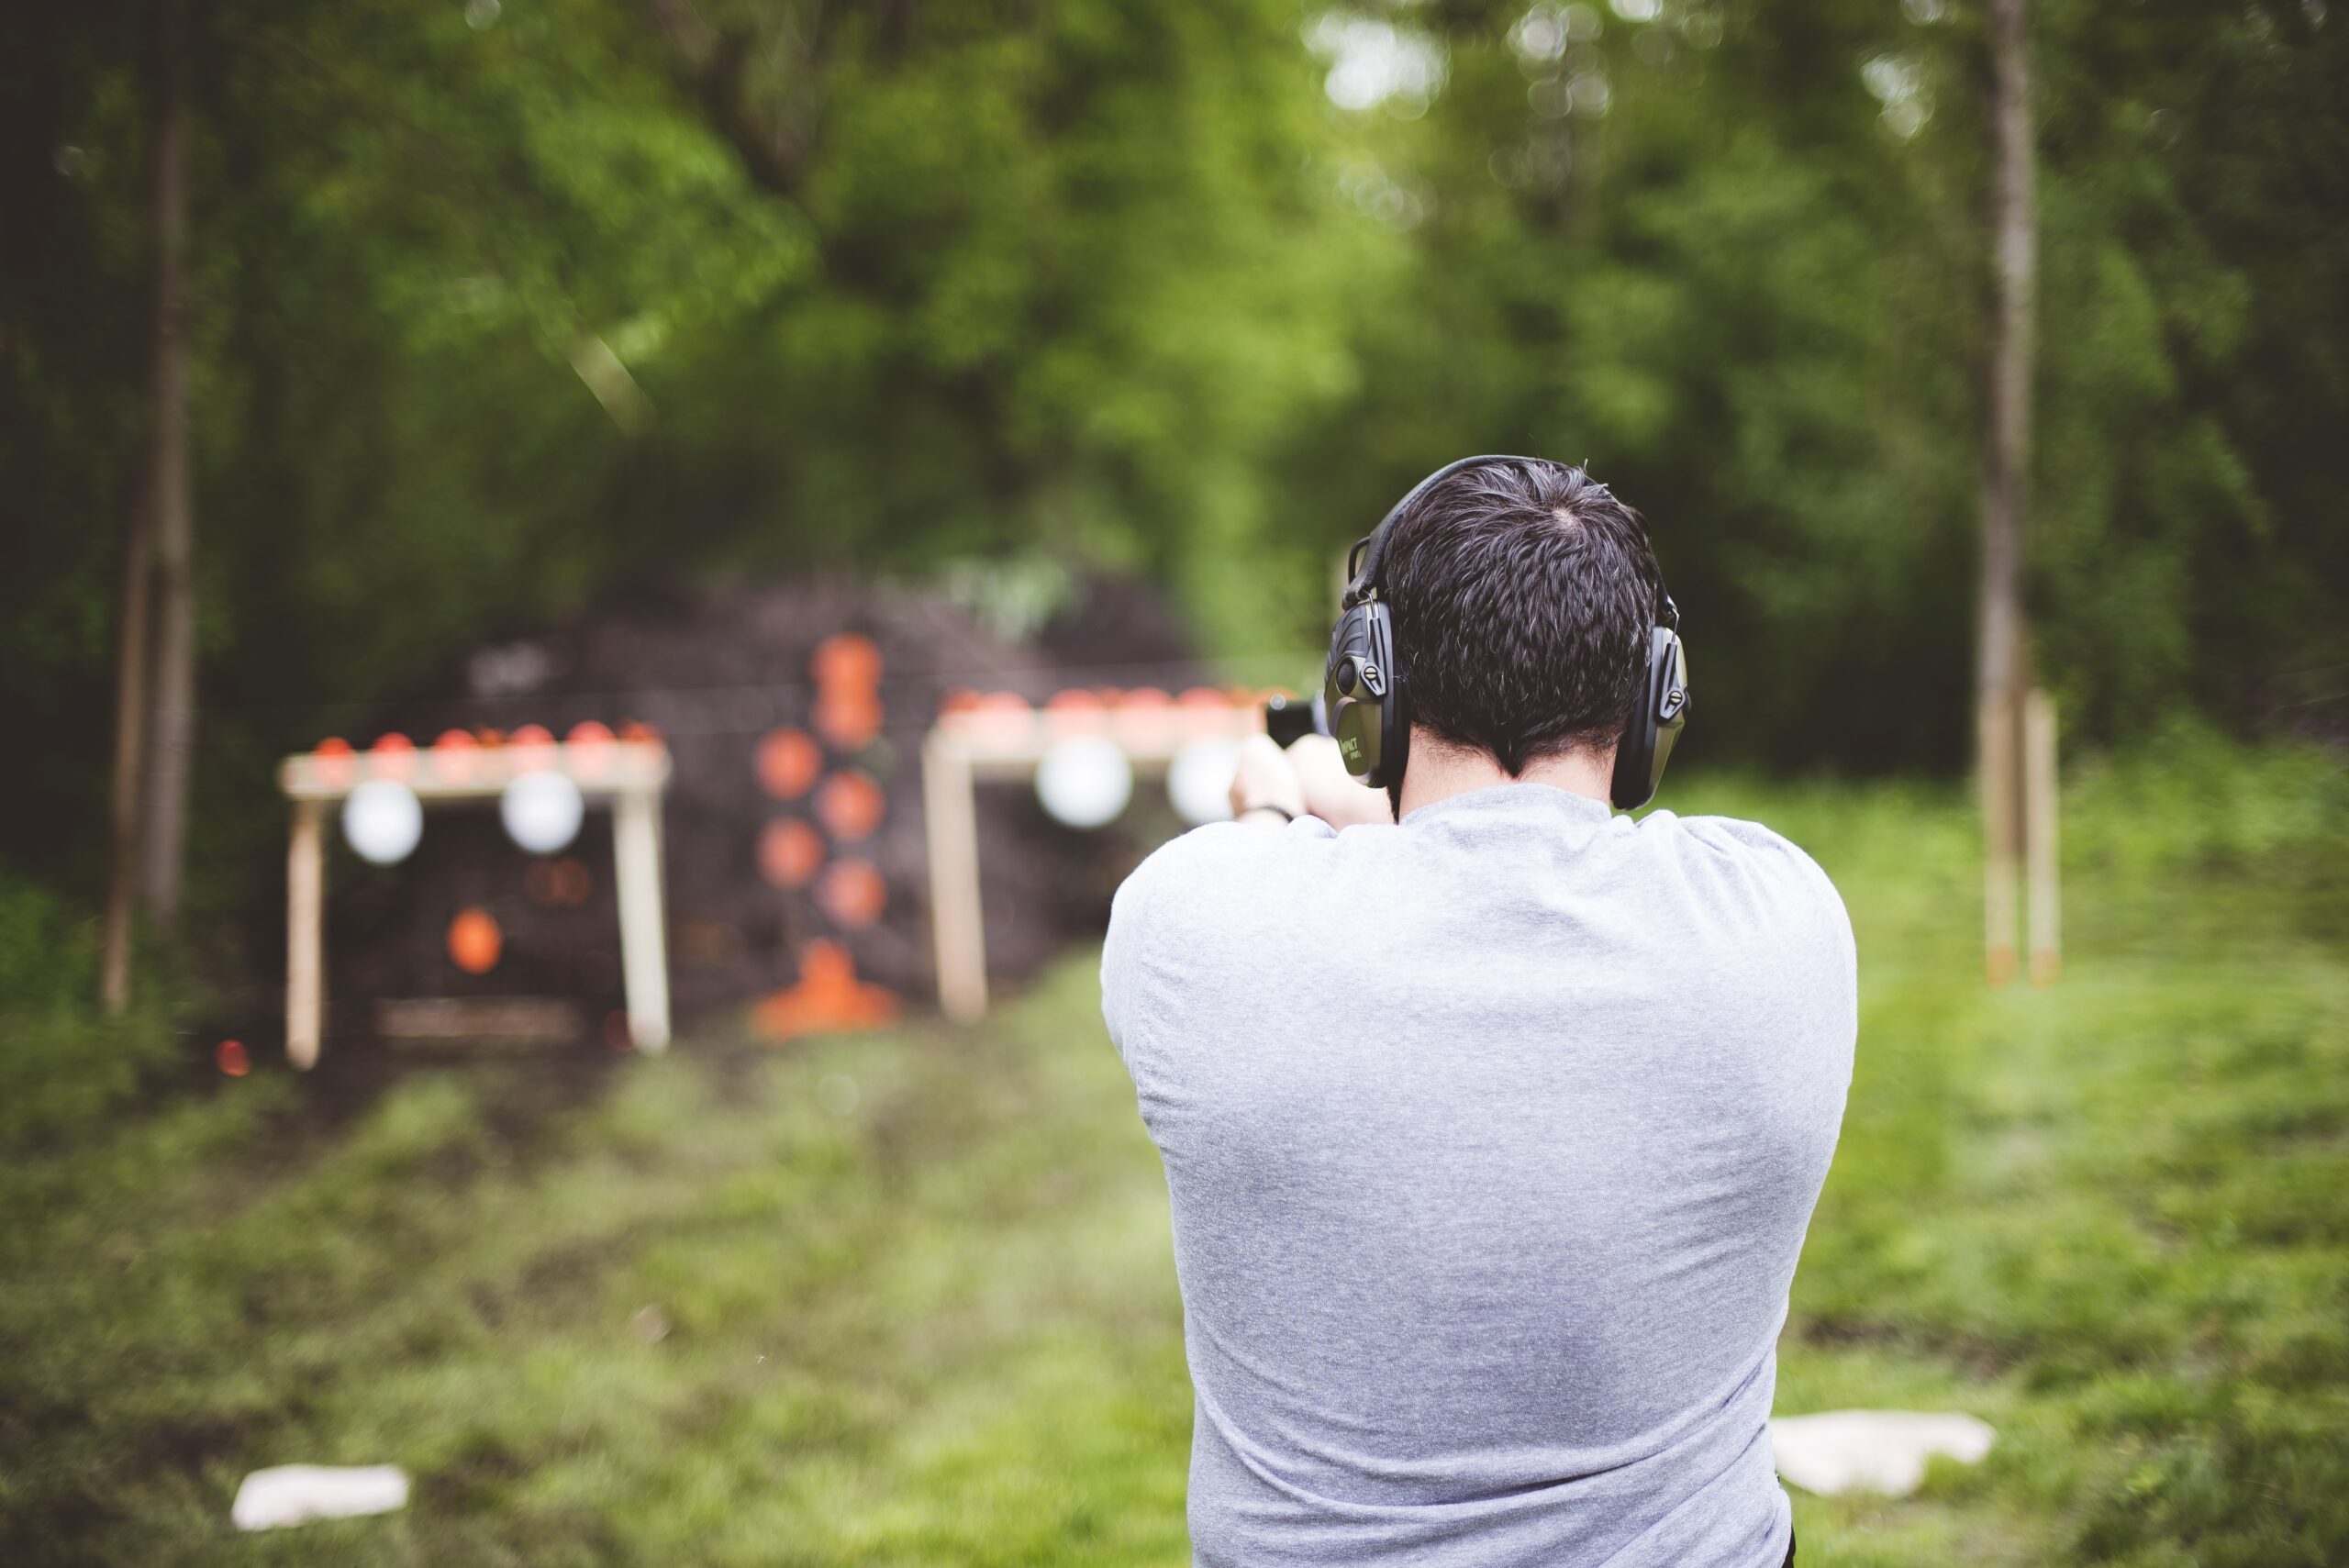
908	1298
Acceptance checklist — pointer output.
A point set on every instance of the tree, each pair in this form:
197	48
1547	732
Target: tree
155	700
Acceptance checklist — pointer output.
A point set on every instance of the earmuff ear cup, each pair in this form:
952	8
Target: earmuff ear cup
1361	693
1655	724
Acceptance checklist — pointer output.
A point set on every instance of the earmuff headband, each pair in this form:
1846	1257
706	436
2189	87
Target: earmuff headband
1361	563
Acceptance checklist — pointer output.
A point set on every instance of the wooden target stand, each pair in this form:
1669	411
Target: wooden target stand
2020	797
999	737
629	774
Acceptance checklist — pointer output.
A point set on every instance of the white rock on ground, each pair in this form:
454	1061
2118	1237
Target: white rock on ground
296	1494
1872	1450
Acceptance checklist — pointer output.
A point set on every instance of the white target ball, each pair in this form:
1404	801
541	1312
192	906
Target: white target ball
1085	781
383	819
1199	782
541	811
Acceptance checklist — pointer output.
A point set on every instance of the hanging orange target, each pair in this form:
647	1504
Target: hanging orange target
846	661
850	805
789	852
848	716
852	894
474	942
788	763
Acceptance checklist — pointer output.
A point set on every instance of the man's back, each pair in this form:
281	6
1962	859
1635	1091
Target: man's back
1491	1139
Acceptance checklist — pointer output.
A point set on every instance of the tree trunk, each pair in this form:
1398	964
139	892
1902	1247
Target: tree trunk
2001	674
162	839
130	745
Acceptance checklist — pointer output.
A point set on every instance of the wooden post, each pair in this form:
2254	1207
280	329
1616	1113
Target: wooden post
635	875
305	933
2001	836
2003	674
171	735
125	808
160	482
957	933
2039	791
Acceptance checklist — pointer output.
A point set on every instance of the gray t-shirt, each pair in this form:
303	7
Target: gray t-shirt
1492	1138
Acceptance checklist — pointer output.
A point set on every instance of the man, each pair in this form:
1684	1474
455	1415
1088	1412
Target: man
1493	1123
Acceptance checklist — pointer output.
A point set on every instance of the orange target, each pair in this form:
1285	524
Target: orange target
788	763
534	745
848	716
850	804
789	852
828	997
334	762
591	749
1075	711
474	942
393	757
852	894
452	755
847	662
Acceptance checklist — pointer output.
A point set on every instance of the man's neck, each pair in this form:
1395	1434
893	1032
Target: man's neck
1438	771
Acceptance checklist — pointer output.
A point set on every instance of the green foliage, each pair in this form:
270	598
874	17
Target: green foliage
2191	802
908	1298
1736	254
499	305
63	1068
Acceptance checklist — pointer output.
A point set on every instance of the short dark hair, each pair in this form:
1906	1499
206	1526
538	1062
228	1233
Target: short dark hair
1523	595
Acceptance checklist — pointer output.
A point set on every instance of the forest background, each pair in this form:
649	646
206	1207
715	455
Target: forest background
494	305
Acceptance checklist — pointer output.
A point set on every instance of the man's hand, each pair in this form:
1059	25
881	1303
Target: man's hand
1265	787
1332	794
1271	786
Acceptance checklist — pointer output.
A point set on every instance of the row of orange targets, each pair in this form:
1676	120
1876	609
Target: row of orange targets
848	802
1141	715
454	756
815	846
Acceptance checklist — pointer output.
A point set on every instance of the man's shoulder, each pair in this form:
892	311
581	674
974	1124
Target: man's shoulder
1735	839
1217	863
1756	863
1195	916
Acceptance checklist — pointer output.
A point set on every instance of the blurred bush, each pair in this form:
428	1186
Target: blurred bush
2191	800
62	1066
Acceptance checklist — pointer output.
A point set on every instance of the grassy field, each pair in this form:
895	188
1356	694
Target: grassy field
907	1299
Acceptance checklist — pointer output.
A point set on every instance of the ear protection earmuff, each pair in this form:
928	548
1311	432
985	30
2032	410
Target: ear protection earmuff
1656	723
1362	689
